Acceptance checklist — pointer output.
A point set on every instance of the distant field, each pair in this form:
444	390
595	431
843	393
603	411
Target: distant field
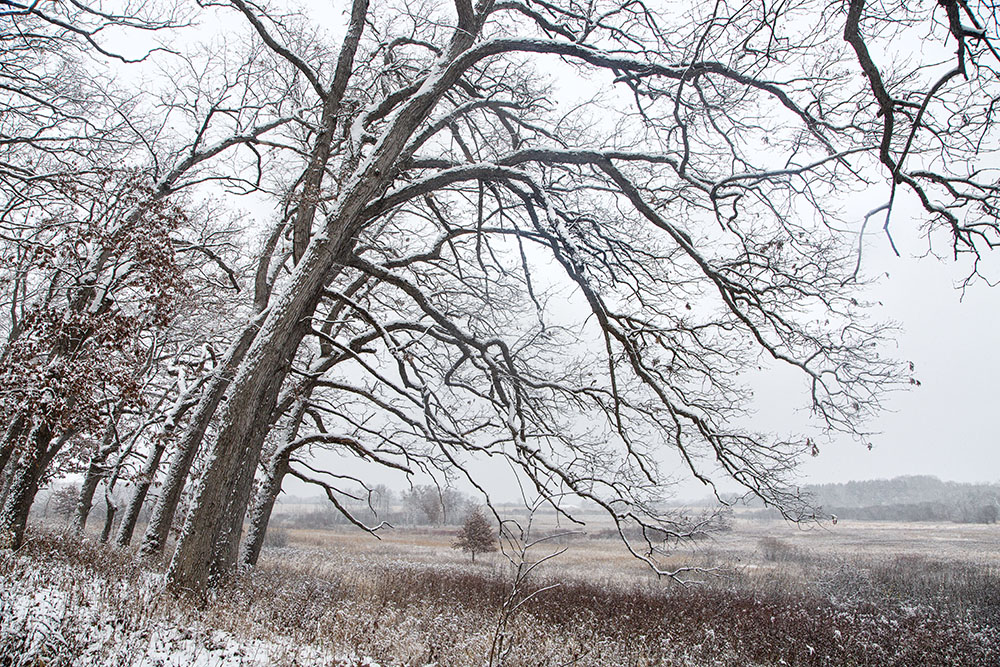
970	543
906	593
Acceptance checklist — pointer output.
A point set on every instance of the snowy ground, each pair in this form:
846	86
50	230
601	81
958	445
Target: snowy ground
56	615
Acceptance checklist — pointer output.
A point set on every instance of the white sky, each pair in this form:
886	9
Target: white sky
947	426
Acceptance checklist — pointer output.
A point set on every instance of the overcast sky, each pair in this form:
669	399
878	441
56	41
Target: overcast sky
947	426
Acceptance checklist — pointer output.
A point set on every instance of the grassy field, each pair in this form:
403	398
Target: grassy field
771	594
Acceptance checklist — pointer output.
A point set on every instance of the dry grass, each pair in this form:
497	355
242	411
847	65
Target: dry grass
411	600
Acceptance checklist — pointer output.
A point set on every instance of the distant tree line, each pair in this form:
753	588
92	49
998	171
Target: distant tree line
423	505
907	498
967	511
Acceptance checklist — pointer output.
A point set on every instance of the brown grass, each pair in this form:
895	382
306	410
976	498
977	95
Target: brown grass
411	600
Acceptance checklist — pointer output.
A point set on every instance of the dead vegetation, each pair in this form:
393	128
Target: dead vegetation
65	601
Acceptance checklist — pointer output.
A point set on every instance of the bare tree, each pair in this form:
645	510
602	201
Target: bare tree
78	345
698	227
470	258
66	133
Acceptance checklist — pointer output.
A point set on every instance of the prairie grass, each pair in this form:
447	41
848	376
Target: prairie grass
327	599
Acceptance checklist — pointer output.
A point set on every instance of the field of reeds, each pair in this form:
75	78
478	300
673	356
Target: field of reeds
768	594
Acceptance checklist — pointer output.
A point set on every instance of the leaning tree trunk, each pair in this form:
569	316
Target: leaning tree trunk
95	471
260	515
208	544
142	484
8	454
11	437
24	486
149	468
109	519
209	540
155	537
277	467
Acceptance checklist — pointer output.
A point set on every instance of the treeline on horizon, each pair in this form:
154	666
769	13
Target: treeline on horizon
905	498
909	498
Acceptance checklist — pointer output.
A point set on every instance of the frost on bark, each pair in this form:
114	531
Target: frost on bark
184	402
183	456
260	513
141	487
96	470
23	486
275	468
208	542
138	497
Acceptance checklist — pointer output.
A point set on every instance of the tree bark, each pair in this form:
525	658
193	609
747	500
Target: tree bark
8	458
24	486
208	544
109	519
150	466
260	515
7	446
87	490
277	468
95	471
155	537
134	507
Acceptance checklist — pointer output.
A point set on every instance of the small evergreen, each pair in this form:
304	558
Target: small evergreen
477	535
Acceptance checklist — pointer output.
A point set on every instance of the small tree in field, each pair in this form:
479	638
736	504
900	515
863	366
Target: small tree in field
62	502
476	535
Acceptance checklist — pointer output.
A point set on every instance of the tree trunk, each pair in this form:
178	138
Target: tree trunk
135	503
155	537
24	486
6	450
278	466
87	489
96	470
150	466
208	545
8	454
6	474
260	516
109	519
210	538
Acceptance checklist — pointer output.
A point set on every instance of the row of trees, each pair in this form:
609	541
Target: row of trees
423	505
909	498
453	253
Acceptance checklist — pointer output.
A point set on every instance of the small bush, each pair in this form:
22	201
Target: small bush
275	537
774	550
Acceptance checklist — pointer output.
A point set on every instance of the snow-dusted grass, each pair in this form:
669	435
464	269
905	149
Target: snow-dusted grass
70	602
